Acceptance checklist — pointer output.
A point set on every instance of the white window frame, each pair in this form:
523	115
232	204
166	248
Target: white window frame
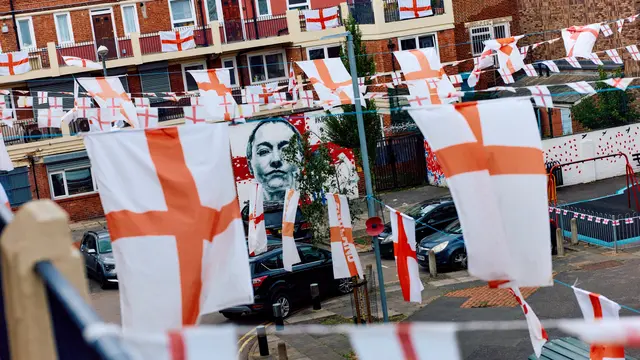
193	15
135	14
258	9
415	38
264	61
492	33
33	33
184	72
325	48
218	8
64	178
55	22
235	68
298	6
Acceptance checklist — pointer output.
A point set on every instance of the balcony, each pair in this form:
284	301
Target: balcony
392	10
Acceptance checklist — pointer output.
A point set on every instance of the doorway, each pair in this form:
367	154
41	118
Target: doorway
104	31
232	20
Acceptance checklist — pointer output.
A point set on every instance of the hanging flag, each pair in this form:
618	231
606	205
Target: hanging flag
633	51
293	83
109	93
215	91
101	119
147	117
455	79
55	103
79	62
263	92
524	51
509	57
413	9
582	87
142	101
43	97
573	62
321	19
551	66
14	63
25	101
5	161
5	207
475	146
306	96
620	83
200	261
484	61
595	59
620	24
177	40
403	229
579	40
330	79
290	254
632	18
613	55
507	77
541	95
536	332
405	341
257	237
606	30
530	70
194	115
81	105
420	64
7	117
50	118
346	262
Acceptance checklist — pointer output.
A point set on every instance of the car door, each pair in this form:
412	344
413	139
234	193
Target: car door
92	259
314	268
436	219
83	250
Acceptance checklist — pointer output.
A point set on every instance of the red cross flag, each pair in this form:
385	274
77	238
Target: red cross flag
5	161
107	91
215	93
595	59
290	254
632	18
55	103
455	79
507	77
321	19
403	229
417	100
438	90
485	60
620	83
25	101
620	24
7	117
306	96
253	101
177	40
582	87
263	93
141	101
579	40
410	341
475	146
100	119
411	9
346	262
194	115
50	118
606	30
536	332
14	63
573	62
541	95
597	307
199	263
293	83
530	70
551	65
524	51
82	105
79	62
509	57
420	64
330	79
614	56
633	51
147	117
257	235
43	97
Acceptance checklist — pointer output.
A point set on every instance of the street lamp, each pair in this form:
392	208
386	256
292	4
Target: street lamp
102	54
392	102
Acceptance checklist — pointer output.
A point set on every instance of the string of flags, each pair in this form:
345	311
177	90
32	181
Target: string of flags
594	218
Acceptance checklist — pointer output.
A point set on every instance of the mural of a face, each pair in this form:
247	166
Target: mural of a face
266	159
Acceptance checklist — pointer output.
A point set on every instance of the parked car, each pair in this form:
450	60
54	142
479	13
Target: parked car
272	284
429	215
273	222
98	257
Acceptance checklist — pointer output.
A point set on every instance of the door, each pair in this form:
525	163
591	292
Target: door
91	259
103	33
232	20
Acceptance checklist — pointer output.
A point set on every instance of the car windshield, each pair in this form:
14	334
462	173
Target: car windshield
420	210
454	228
104	245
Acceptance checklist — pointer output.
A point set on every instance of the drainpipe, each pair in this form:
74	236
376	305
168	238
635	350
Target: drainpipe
35	181
204	32
255	19
15	24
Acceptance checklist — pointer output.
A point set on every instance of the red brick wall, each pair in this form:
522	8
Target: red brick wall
176	80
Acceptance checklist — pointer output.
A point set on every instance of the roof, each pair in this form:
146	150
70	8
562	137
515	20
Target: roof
566	94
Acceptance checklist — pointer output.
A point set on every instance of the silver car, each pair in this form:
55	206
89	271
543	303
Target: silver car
98	257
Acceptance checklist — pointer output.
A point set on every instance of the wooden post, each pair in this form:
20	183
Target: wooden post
574	231
560	241
39	231
433	266
356	298
282	351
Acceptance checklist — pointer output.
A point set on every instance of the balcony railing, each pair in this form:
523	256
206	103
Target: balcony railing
362	11
150	43
25	131
84	50
303	21
125	47
39	59
243	30
392	9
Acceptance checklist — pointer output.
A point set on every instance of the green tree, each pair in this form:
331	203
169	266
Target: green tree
608	108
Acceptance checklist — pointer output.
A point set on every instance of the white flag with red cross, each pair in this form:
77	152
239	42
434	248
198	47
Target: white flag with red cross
199	263
620	83
485	60
621	332
596	307
263	93
6	213
141	101
101	119
606	30
582	87
509	57
614	56
420	64
437	90
403	229
215	91
147	117
530	70
633	51
475	146
321	19
5	161
346	262
25	101
573	62
50	118
405	341
331	80
257	234
190	343
42	96
14	63
79	62
81	106
109	94
177	40
579	40
541	95
243	112
537	333
412	9
595	59
293	83
7	117
290	254
194	115
306	97
506	76
55	103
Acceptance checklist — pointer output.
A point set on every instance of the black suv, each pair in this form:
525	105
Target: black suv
273	222
272	284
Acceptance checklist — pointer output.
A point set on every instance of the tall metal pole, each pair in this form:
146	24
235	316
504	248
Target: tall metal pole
365	170
104	64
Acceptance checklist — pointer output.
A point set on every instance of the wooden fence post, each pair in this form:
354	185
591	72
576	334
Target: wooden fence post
39	231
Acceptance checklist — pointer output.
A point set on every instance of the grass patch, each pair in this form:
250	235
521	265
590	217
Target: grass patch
351	355
363	240
335	320
397	318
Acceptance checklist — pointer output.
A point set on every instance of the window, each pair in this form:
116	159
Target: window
263	7
567	126
26	34
130	19
272	263
63	28
233	69
310	254
298	4
418	42
182	13
212	9
324	52
189	82
267	67
482	33
71	182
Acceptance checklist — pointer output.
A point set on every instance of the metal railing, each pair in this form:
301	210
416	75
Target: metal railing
303	21
125	47
83	50
392	9
39	59
248	29
362	11
25	131
150	43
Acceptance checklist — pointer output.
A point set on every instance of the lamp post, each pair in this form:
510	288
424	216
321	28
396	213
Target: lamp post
102	55
392	102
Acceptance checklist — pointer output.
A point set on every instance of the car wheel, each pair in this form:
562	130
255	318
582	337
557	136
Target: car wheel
285	304
459	259
345	286
102	279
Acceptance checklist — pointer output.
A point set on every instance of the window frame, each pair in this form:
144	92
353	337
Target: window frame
55	23
492	32
33	33
325	49
135	16
258	9
193	16
235	68
64	181
218	9
416	37
264	63
298	7
184	72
